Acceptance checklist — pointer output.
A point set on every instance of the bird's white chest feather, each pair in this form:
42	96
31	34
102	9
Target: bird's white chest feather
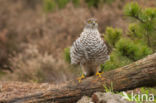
91	41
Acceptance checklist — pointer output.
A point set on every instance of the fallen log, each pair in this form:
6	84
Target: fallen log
137	74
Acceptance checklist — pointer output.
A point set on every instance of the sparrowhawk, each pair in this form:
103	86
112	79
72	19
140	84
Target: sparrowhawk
89	50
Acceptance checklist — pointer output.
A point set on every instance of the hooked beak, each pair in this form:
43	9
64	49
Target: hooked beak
94	24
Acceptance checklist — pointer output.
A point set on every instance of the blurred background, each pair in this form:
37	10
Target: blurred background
35	35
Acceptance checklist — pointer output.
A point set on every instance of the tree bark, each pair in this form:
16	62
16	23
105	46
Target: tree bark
137	74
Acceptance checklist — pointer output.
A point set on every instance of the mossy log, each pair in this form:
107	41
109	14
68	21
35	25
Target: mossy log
138	74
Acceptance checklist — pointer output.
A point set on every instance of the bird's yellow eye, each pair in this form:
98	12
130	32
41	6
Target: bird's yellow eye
89	21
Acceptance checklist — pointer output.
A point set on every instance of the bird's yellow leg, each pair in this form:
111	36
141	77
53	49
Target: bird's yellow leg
80	78
99	74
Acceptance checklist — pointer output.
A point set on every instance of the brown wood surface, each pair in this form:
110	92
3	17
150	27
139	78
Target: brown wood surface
137	74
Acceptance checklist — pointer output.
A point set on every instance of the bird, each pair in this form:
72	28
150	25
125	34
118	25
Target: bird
89	50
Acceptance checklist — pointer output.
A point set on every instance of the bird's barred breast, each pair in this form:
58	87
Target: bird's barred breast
94	47
89	47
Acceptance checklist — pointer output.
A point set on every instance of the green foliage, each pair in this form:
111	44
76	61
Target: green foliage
107	1
61	3
76	2
133	51
116	60
141	37
67	55
125	51
148	16
109	89
96	3
132	9
146	22
2	73
92	3
135	32
112	36
49	5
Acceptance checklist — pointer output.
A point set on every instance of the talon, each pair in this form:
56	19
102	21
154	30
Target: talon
99	74
80	78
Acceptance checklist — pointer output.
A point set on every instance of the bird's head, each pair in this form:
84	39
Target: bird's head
91	23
